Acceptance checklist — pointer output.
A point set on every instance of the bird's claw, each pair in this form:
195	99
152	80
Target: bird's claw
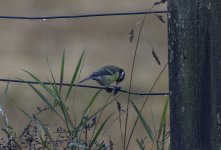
109	89
114	89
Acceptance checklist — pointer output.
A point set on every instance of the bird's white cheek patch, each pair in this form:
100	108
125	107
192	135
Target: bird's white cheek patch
122	75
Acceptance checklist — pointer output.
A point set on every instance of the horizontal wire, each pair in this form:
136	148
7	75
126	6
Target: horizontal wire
86	86
83	16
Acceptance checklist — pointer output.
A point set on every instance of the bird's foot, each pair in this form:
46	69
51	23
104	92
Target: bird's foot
114	89
109	89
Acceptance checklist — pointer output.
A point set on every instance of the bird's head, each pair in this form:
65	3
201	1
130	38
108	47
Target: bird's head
121	76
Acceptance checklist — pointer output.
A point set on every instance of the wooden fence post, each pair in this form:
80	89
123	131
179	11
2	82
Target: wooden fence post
194	28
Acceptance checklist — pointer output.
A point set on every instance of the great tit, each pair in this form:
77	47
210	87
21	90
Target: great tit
107	75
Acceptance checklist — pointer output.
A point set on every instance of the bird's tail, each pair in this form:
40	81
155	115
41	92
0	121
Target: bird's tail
88	78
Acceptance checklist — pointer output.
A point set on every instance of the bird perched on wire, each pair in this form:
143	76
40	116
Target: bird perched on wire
107	75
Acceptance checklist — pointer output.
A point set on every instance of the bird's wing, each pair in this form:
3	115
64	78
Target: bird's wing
104	71
97	74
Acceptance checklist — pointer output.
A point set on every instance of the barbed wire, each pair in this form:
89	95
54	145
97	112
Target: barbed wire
86	86
82	16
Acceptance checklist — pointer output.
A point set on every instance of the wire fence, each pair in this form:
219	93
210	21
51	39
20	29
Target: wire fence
83	16
83	86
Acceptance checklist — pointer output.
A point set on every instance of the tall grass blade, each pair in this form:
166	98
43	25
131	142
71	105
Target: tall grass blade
163	136
163	123
62	71
146	126
84	119
50	91
139	144
82	123
5	119
162	128
125	146
52	76
63	108
145	101
75	74
91	101
99	131
2	106
41	84
103	147
25	113
55	89
42	128
44	99
5	96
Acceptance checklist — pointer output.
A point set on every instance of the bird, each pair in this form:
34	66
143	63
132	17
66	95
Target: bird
107	75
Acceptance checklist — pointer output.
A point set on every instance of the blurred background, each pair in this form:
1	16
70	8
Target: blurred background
24	44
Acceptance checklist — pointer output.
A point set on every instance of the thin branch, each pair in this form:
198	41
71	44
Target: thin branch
82	16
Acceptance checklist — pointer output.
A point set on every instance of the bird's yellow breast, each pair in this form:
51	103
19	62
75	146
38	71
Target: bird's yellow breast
108	79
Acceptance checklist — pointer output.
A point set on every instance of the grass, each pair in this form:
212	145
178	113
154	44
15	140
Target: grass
87	133
76	135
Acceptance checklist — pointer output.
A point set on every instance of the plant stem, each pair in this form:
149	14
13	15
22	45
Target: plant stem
131	77
132	131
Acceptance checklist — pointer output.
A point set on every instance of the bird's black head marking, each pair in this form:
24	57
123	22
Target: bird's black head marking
121	75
